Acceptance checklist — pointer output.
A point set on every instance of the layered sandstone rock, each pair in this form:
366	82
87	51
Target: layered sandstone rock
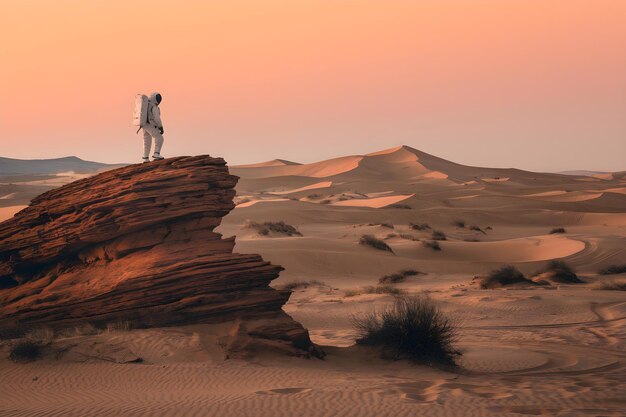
137	243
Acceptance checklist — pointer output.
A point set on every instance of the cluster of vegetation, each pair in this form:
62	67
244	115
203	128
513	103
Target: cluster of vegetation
374	242
399	276
399	206
325	201
374	289
265	228
412	328
613	269
459	223
294	285
561	272
557	230
507	275
438	235
431	244
419	226
402	236
477	229
612	286
31	346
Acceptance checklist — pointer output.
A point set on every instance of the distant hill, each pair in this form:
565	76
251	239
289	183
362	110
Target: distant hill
582	173
9	166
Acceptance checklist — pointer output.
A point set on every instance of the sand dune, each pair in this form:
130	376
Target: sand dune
553	350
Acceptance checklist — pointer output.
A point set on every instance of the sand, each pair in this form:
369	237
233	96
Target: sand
555	350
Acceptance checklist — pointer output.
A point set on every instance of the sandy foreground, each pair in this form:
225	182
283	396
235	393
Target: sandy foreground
556	350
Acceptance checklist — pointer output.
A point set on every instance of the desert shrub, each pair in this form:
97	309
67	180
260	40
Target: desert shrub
561	272
488	228
119	326
507	275
85	329
459	223
398	276
375	243
419	226
373	289
325	201
613	269
438	235
477	229
265	228
412	328
25	350
431	244
42	336
381	289
303	284
399	206
612	286
387	225
557	230
314	196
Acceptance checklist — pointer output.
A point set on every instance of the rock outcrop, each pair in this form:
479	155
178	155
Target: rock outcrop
138	243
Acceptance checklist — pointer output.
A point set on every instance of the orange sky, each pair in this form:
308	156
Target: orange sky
537	84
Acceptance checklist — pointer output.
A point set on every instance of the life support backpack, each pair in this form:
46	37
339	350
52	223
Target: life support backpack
140	114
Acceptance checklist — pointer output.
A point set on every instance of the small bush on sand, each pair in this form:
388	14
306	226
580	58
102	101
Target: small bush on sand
25	350
612	286
507	275
459	223
557	230
431	244
419	226
488	228
313	196
412	328
438	235
561	272
477	229
398	277
374	242
613	269
387	225
294	285
373	289
399	206
325	201
119	326
265	228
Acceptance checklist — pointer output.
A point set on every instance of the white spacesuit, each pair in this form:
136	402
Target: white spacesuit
154	129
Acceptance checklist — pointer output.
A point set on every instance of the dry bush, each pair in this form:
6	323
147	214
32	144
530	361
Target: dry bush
375	243
438	235
561	272
612	286
459	223
412	328
373	289
431	244
265	228
477	229
613	269
557	230
325	201
399	206
399	276
419	226
507	275
25	350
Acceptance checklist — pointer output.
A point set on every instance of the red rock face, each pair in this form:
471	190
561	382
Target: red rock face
137	243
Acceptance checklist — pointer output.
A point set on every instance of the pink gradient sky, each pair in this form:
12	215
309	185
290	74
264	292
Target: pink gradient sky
535	84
